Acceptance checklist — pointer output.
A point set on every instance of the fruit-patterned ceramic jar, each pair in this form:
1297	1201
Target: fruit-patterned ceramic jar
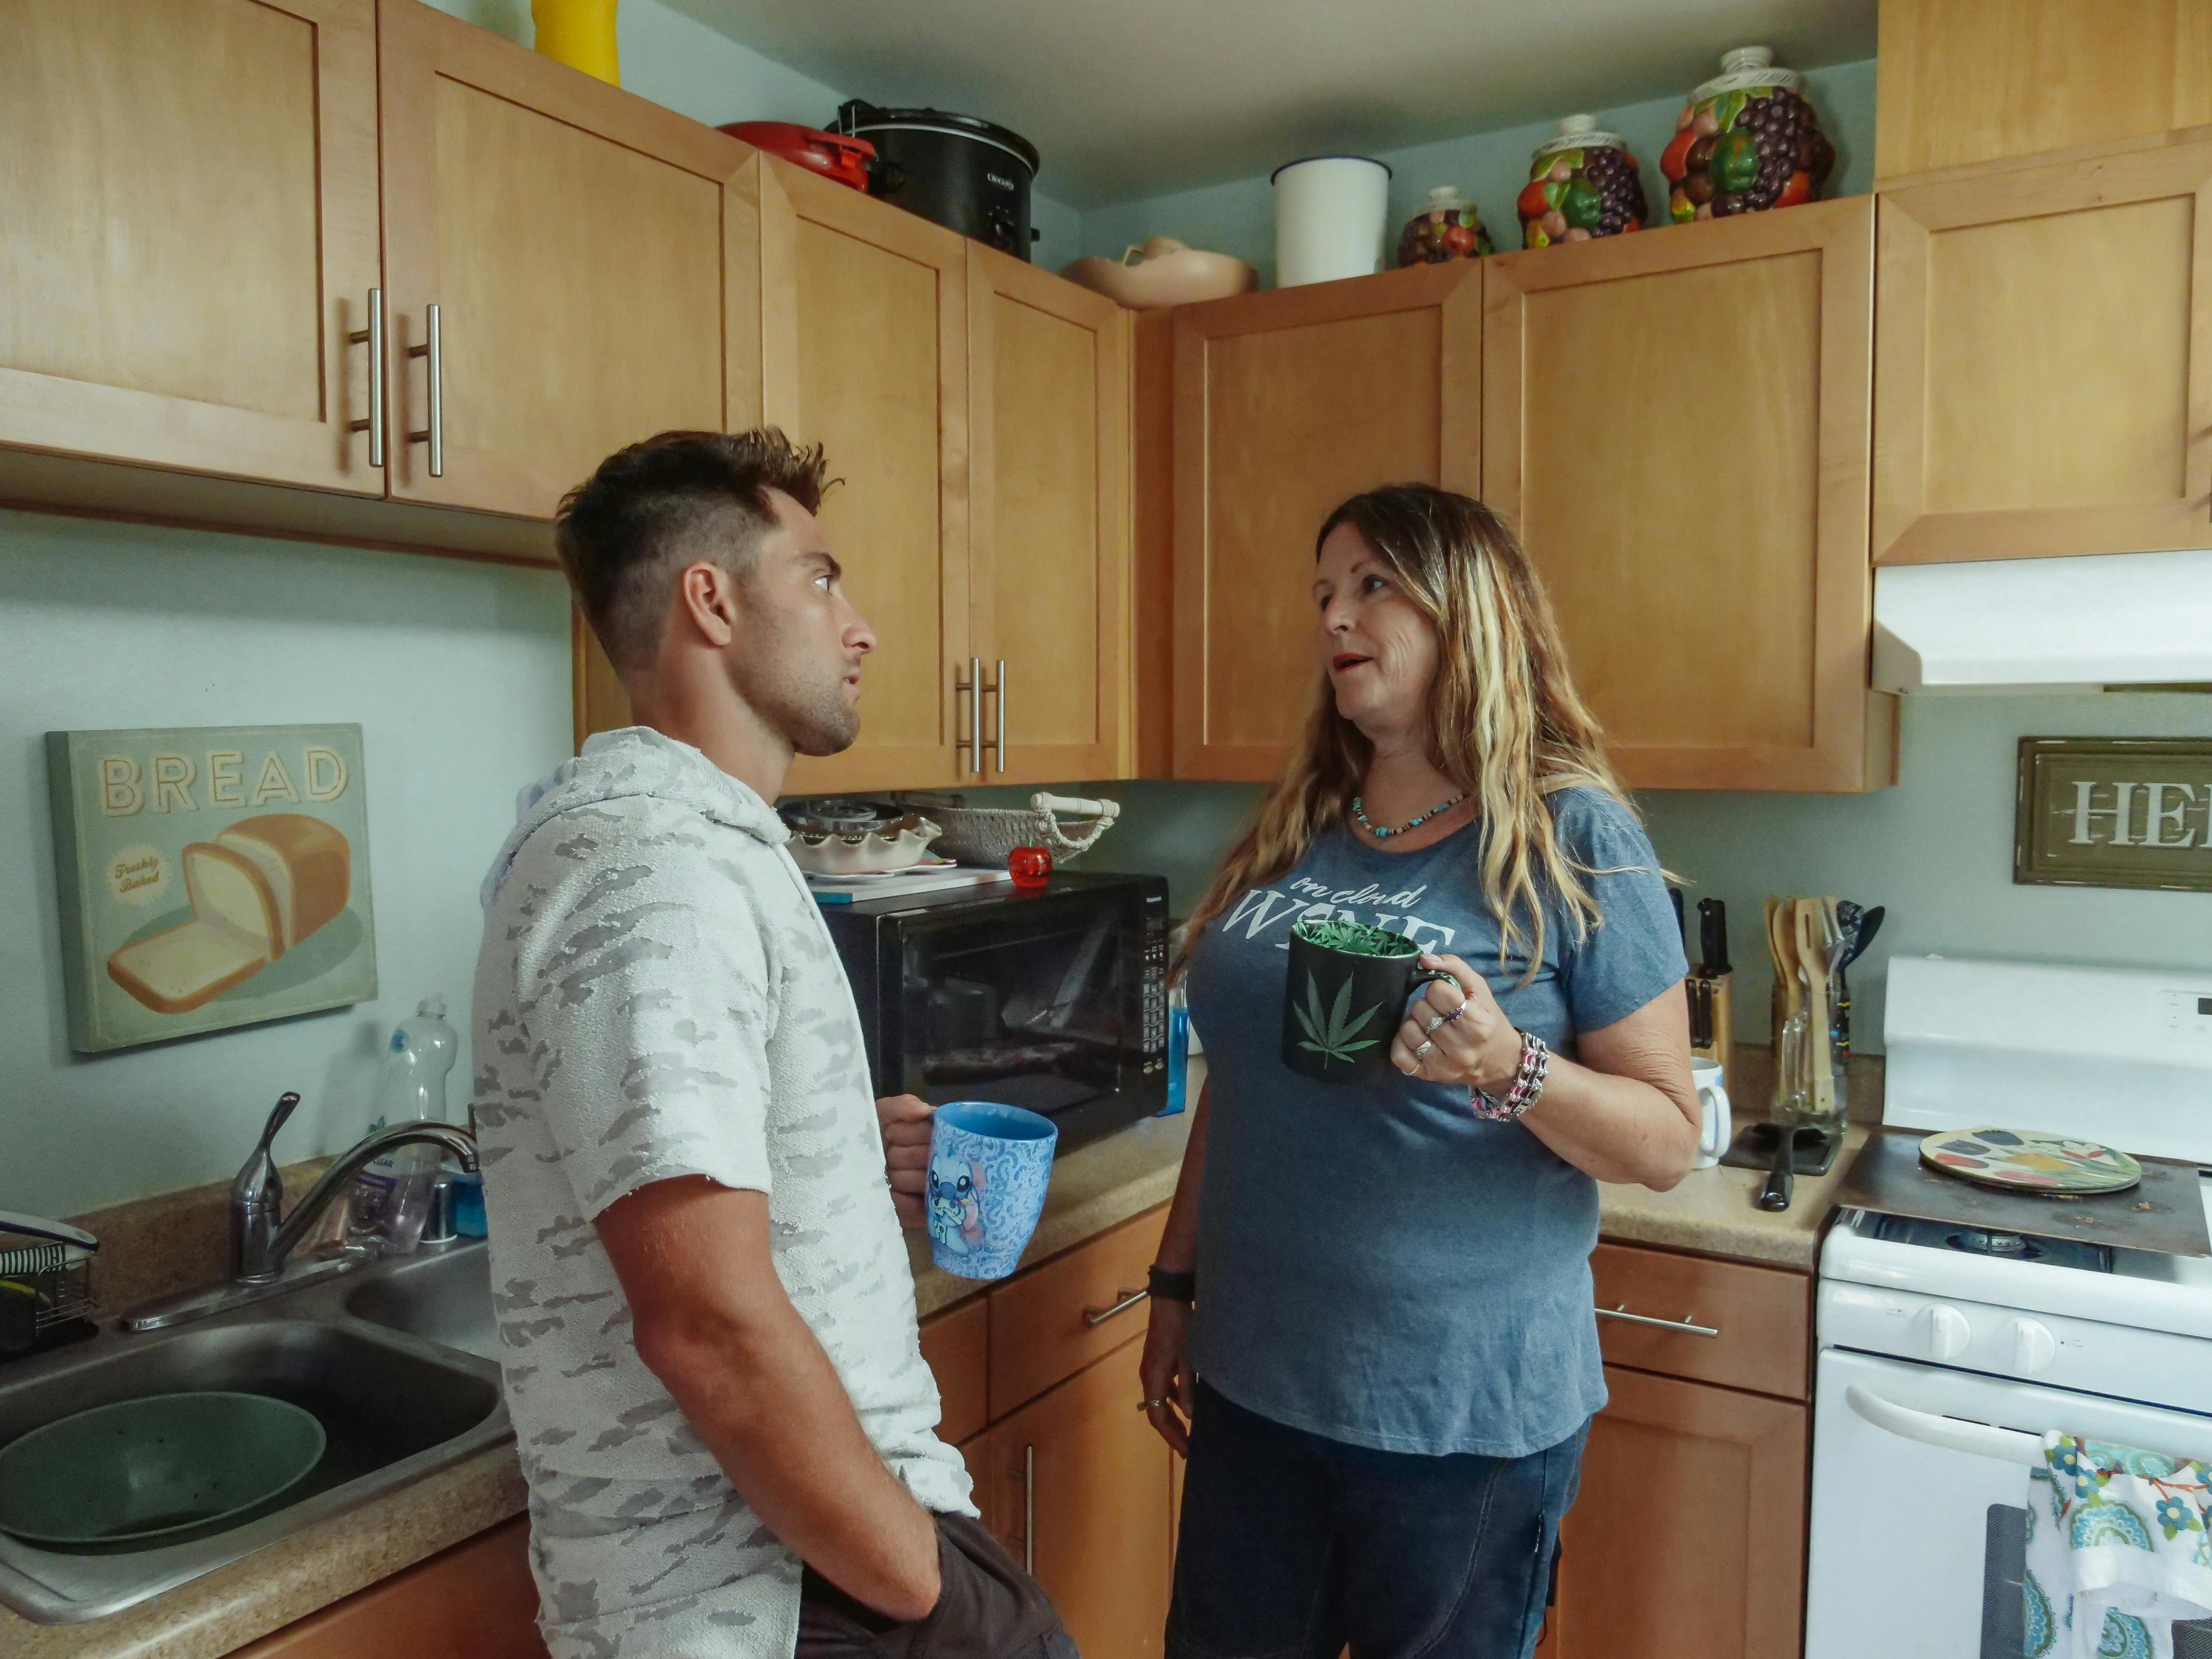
1582	183
1745	142
1449	228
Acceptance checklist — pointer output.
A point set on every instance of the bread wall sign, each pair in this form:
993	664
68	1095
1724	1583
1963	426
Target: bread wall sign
209	877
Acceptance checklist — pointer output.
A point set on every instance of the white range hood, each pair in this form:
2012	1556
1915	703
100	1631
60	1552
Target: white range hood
2116	619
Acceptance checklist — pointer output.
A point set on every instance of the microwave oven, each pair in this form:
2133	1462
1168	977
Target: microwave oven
1054	999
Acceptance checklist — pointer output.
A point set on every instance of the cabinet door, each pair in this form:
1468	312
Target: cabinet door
1687	1539
864	350
475	1601
1678	424
188	234
1075	1485
1286	402
572	237
1049	588
2046	360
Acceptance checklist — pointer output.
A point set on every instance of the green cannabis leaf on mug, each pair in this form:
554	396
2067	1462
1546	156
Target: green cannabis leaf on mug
1330	1034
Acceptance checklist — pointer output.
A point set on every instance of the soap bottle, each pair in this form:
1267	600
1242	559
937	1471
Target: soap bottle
390	1196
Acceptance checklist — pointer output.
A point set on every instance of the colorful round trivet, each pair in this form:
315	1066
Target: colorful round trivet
2021	1162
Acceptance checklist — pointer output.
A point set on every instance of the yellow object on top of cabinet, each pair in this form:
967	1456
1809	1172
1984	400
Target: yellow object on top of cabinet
579	33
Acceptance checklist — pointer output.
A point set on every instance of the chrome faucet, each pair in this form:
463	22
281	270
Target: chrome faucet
261	1244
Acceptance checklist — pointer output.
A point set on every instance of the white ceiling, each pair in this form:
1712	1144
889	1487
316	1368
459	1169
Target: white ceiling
1131	98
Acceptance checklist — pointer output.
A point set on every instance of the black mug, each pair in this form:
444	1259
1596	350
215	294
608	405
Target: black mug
1342	1007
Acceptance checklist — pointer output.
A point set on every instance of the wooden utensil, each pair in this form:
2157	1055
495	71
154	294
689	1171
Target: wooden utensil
1812	963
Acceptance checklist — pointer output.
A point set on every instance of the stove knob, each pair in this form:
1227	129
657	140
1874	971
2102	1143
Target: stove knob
1945	1333
2033	1347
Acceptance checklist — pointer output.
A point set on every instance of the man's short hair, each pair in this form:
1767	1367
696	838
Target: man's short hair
657	506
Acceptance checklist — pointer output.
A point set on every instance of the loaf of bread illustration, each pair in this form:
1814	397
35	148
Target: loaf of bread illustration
257	889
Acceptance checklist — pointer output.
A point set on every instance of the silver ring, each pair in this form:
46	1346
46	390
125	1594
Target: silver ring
1435	1020
1423	1052
1454	1013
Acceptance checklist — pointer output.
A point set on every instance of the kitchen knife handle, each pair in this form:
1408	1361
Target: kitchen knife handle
1712	936
372	338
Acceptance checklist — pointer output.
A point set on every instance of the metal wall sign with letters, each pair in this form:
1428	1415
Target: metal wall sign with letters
2115	813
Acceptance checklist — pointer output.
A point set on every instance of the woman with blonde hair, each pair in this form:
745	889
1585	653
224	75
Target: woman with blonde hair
1371	1325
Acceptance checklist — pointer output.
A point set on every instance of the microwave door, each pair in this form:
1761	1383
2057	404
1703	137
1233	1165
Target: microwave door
1034	1017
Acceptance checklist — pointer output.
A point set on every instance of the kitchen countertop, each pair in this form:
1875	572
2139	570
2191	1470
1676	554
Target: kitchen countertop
1093	1189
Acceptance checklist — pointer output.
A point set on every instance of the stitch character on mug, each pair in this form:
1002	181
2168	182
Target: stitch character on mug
956	1210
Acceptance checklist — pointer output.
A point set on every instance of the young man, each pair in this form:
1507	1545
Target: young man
704	1303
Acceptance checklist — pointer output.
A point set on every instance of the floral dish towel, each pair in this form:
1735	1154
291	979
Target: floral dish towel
2119	1548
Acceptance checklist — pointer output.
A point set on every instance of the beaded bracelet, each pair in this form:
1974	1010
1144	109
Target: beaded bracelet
1527	1084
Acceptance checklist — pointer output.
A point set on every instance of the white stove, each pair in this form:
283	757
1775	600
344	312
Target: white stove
1945	1352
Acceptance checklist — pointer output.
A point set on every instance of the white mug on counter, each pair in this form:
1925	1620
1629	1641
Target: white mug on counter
1715	1129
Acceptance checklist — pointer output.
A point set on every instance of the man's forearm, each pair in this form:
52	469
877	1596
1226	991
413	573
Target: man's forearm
759	1391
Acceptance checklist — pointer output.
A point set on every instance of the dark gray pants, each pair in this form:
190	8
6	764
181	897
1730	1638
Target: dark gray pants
987	1608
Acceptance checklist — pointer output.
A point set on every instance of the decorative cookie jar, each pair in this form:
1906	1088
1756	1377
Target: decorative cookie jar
1582	183
1448	229
1745	142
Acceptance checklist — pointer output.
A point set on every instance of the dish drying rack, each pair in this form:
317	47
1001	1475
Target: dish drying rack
53	1272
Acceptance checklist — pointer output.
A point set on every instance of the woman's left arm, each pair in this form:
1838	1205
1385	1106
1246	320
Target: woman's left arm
1625	1112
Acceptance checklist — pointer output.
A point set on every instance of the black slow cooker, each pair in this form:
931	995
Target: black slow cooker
968	174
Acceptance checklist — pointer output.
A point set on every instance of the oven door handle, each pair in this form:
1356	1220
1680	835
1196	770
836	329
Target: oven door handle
2006	1446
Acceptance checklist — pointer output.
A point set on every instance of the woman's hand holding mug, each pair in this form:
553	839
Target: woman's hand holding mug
1456	1033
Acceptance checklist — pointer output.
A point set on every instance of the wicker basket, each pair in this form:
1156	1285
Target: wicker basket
987	835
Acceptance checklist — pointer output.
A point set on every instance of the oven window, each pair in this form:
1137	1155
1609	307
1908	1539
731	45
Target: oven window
2004	1623
1042	1016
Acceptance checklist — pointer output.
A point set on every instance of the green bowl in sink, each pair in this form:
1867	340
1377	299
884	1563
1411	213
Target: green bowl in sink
141	1472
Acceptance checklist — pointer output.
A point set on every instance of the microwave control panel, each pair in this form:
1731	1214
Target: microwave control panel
1153	1032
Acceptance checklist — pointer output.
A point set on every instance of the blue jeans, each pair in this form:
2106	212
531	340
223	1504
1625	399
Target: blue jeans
1293	1545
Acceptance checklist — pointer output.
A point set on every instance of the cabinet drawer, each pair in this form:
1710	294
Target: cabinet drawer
1763	1316
955	1345
1041	1322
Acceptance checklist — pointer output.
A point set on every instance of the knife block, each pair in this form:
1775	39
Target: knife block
1716	987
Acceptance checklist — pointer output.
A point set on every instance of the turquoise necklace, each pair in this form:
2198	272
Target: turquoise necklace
1408	828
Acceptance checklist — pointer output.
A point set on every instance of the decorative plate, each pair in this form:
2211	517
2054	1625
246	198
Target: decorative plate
2021	1162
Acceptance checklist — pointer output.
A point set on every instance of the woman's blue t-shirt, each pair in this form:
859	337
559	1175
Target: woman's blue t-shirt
1376	1264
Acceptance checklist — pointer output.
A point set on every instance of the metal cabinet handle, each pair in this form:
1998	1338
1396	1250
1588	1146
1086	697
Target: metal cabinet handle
435	434
999	747
1094	1317
1688	1327
372	338
1028	1511
970	685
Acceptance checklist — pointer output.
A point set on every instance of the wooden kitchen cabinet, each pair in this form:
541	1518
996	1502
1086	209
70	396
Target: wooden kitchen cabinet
2044	360
1688	1538
1968	81
1077	1486
1679	425
188	234
865	350
1049	590
592	255
1285	402
475	1600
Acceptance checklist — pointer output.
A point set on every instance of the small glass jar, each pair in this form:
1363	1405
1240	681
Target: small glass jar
1747	141
1582	183
1030	867
1448	229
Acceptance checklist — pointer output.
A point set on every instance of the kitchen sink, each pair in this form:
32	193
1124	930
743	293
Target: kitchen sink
444	1298
393	1358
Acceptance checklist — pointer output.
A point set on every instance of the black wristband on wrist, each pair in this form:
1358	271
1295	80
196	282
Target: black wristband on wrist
1172	1287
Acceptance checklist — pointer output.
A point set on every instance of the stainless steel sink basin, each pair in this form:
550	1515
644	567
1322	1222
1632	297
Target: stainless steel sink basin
444	1298
392	1358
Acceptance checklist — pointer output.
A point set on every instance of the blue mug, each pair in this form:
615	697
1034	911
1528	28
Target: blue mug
988	1167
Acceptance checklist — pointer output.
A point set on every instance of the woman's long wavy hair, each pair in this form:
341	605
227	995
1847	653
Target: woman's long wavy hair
1504	720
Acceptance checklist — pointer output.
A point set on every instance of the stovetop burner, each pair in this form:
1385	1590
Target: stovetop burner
1999	1246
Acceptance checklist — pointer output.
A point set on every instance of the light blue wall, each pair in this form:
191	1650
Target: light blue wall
674	60
1239	218
458	674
